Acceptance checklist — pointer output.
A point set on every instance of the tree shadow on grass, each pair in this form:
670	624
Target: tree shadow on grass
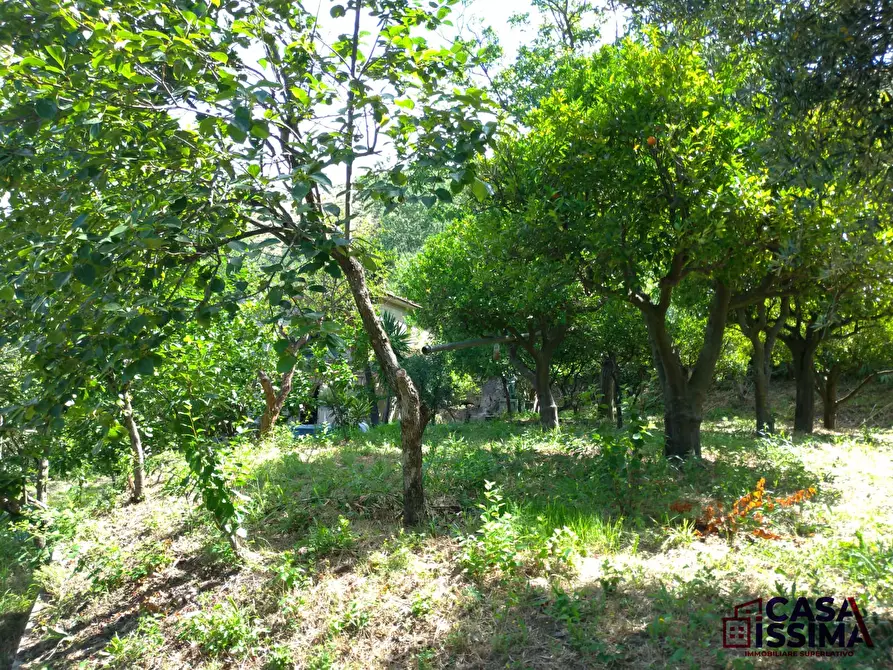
616	623
564	480
167	590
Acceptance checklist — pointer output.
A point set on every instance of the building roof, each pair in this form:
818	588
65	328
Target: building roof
408	305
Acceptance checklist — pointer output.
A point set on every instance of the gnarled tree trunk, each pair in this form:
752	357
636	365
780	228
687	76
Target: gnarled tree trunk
136	448
540	376
508	396
683	393
548	408
803	353
414	415
753	326
827	388
273	400
826	385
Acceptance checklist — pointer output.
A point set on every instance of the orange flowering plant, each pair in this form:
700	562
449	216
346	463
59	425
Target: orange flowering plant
750	512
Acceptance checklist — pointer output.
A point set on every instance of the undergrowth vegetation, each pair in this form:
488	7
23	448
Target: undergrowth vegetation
585	548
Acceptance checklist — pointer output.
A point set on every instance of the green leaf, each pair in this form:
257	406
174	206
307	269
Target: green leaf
7	294
46	108
237	245
285	364
337	11
300	95
260	130
86	274
145	366
332	209
236	134
321	179
57	53
481	189
300	190
254	170
60	279
443	195
219	56
32	61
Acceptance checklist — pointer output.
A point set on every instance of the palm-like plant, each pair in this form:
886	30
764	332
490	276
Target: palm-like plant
398	334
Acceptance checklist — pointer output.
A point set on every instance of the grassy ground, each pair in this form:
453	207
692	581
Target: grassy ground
17	591
578	551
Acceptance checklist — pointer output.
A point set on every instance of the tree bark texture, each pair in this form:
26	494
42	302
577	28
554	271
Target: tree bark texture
803	350
753	325
827	386
274	401
136	448
540	376
548	408
414	415
508	396
684	393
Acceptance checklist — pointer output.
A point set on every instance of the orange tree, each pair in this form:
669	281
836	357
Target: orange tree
640	171
472	283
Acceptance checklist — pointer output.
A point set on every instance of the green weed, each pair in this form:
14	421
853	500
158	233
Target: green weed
226	628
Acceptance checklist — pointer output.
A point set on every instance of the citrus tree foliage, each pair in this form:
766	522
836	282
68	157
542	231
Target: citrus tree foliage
471	284
214	367
823	74
640	170
435	378
401	232
862	354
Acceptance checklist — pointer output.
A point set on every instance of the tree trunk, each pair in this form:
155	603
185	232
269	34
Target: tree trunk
765	419
371	395
136	446
540	377
684	393
274	401
548	408
827	389
41	486
752	326
43	476
682	428
803	354
413	414
829	414
607	402
618	404
804	410
508	396
388	409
